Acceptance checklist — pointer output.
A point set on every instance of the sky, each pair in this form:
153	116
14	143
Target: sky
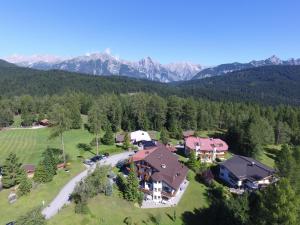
204	32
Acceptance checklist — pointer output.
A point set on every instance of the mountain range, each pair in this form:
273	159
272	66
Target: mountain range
146	68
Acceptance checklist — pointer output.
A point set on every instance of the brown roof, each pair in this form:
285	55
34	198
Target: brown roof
153	134
120	137
170	170
29	168
188	133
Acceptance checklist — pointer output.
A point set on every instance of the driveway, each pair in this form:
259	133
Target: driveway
63	196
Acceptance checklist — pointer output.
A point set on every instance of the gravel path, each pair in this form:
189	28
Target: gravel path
63	196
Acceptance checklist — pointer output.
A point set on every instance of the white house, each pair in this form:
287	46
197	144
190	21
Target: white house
139	135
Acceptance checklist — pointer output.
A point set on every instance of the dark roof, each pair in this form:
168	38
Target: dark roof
188	133
170	170
148	144
120	137
28	168
247	168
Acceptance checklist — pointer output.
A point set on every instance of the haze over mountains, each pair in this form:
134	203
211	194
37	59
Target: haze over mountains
107	64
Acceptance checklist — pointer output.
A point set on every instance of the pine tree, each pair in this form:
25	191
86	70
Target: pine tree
193	163
49	162
279	205
33	217
285	162
164	136
41	175
132	185
108	138
25	185
126	143
11	171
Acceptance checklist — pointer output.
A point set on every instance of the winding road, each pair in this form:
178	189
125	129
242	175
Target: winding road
63	196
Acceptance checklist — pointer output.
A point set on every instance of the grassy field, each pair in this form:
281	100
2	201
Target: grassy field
113	210
29	144
42	192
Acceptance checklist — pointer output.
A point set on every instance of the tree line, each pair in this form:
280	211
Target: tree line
281	124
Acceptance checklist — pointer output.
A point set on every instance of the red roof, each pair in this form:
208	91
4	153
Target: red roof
140	155
206	144
29	168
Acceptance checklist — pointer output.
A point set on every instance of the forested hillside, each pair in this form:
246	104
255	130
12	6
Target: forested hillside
267	85
19	80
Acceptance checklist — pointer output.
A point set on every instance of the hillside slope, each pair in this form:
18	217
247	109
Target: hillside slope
266	85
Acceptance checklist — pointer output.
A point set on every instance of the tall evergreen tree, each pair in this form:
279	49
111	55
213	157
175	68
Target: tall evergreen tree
164	136
282	133
108	138
33	217
41	174
279	205
285	162
132	185
11	171
25	185
126	143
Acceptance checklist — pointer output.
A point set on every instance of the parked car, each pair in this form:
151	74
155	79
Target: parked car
88	162
96	158
105	155
11	223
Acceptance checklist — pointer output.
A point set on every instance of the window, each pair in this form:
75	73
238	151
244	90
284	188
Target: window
155	197
155	189
159	189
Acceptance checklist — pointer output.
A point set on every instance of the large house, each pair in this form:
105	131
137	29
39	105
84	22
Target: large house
136	137
206	149
160	173
246	173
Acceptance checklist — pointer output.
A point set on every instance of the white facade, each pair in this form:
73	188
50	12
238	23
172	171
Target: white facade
235	182
157	189
139	135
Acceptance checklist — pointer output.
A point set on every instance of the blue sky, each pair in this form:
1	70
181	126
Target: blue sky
205	32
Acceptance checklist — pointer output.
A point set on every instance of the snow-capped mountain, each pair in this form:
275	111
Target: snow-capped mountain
230	67
107	64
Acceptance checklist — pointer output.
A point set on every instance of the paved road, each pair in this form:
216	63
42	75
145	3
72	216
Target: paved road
63	196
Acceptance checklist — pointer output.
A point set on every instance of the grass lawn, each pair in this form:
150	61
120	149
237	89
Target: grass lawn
113	210
269	155
29	144
42	192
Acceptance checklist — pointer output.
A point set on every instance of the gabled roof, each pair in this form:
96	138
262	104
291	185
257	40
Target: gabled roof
247	168
206	144
120	137
188	133
29	168
140	155
139	135
170	170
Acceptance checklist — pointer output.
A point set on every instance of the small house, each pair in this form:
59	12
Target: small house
29	169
